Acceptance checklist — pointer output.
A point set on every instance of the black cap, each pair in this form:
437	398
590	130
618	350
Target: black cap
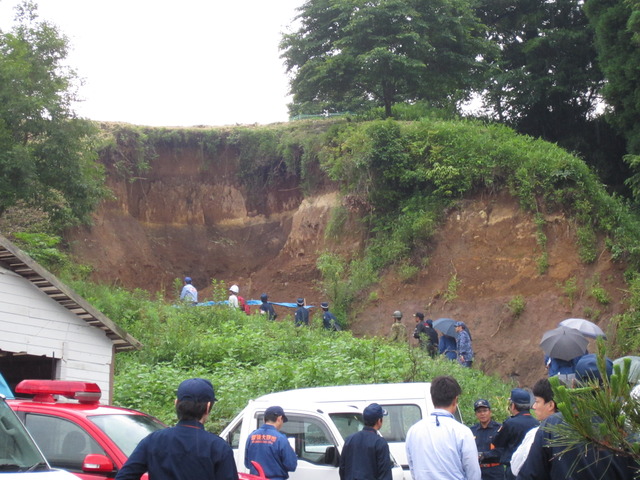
277	411
481	403
196	390
420	315
373	412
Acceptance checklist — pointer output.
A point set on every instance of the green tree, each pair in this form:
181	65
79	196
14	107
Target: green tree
351	54
47	154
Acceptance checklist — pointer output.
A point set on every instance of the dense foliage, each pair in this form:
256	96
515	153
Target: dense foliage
349	55
47	155
248	356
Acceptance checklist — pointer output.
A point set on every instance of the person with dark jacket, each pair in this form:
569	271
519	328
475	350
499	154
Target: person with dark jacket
365	454
426	335
329	320
186	451
270	448
515	427
267	308
447	347
484	432
302	314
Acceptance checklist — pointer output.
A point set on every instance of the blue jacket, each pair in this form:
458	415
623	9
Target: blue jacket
512	432
447	347
463	344
184	452
329	320
267	308
488	455
272	451
302	316
544	461
365	456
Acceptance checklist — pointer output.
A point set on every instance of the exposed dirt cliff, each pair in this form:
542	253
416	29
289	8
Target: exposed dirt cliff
187	217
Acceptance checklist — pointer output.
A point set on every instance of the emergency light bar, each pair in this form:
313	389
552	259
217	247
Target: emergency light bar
44	390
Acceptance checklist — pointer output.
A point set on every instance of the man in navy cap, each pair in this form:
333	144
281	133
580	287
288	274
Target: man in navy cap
302	314
270	448
515	427
186	451
366	453
484	432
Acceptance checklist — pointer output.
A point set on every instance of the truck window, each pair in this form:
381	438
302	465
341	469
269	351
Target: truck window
234	436
397	423
63	443
311	437
18	453
347	423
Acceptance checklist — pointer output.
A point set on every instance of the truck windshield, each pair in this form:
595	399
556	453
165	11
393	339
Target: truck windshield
347	423
394	426
18	452
126	431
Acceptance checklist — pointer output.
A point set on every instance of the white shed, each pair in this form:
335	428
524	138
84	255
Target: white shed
48	331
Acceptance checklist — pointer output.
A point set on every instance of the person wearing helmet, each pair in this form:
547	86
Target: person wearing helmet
398	330
329	320
267	308
233	298
302	314
189	294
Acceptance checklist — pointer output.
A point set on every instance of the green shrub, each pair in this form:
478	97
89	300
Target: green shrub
517	306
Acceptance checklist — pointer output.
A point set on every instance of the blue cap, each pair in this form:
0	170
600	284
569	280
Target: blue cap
520	396
301	301
373	412
324	305
481	403
277	411
264	297
187	279
587	368
196	390
430	322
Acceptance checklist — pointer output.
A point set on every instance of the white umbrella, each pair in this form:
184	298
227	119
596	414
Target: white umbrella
585	327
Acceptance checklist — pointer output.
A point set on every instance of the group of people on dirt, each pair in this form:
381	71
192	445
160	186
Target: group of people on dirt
454	348
189	295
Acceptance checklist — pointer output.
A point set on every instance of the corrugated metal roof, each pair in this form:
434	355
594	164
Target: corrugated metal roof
14	259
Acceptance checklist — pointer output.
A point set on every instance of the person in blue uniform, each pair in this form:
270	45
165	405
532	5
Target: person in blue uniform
329	320
515	427
267	308
186	451
549	461
463	345
270	448
365	454
302	314
484	432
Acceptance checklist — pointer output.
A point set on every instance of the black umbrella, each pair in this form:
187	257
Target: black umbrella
564	343
446	325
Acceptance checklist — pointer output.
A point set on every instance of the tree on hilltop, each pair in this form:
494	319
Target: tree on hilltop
352	54
47	154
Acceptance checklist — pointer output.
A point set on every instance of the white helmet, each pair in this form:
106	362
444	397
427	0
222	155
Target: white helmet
234	289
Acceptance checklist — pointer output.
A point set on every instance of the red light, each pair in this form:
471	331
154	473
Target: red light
84	392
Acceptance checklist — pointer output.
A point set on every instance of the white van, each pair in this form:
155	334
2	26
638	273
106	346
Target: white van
20	458
321	418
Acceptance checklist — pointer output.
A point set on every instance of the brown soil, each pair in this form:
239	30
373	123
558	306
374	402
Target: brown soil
179	221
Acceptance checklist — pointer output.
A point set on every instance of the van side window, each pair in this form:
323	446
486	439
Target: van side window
234	436
397	423
311	438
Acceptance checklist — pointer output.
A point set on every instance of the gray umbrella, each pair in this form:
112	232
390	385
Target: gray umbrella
564	343
585	327
634	368
446	325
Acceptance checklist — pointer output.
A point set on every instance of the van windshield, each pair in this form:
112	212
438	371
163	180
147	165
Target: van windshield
394	427
18	452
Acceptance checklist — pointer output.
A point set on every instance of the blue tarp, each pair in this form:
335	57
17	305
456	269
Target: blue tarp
252	302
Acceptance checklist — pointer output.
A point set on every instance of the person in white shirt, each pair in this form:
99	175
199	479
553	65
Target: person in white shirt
543	407
438	446
189	293
233	298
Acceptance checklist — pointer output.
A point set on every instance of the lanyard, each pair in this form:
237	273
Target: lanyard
447	414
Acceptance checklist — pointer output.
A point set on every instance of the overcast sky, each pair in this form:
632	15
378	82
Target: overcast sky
178	63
